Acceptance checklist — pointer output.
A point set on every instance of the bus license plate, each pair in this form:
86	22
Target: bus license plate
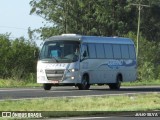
55	81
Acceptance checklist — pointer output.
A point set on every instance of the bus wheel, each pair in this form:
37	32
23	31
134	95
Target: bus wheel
47	86
84	83
117	85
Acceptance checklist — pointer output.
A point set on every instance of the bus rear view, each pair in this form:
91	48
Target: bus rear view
75	60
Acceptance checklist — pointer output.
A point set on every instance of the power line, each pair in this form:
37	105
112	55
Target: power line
13	27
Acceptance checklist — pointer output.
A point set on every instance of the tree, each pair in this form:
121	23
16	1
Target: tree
4	55
89	17
150	24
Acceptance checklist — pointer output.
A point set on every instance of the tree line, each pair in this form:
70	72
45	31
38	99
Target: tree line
97	17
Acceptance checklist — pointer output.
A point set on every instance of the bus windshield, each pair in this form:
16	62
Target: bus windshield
60	51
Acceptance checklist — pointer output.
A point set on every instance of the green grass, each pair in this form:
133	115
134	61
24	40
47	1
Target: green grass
142	83
108	103
10	83
91	104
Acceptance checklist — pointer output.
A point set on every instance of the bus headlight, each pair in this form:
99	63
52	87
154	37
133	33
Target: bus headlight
73	70
72	78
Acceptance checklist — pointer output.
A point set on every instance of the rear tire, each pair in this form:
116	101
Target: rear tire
117	85
84	83
47	86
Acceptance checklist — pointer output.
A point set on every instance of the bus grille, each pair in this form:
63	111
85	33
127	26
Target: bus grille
54	74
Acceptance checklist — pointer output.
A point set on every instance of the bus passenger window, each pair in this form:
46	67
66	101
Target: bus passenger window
108	51
92	50
132	52
100	51
125	51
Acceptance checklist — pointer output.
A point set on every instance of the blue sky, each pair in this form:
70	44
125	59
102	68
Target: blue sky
15	18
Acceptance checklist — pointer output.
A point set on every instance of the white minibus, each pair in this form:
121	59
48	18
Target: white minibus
78	60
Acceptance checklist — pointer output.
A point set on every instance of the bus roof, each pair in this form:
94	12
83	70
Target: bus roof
92	39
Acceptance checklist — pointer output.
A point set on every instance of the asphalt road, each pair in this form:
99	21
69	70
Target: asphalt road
21	93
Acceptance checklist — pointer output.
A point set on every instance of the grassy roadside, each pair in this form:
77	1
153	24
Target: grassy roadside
91	104
142	83
9	83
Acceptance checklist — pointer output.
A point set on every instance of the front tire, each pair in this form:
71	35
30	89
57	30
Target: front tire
47	86
84	83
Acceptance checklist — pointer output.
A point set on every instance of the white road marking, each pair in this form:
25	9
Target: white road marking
52	90
15	89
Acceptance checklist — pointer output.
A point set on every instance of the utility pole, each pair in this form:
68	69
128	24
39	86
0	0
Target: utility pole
140	6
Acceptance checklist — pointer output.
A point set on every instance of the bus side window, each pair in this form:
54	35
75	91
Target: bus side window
100	51
108	51
125	51
132	53
116	51
92	51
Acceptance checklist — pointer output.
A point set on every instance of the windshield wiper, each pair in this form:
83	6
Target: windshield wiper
55	59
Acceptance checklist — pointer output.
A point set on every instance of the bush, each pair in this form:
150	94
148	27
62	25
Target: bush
148	58
17	58
146	71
